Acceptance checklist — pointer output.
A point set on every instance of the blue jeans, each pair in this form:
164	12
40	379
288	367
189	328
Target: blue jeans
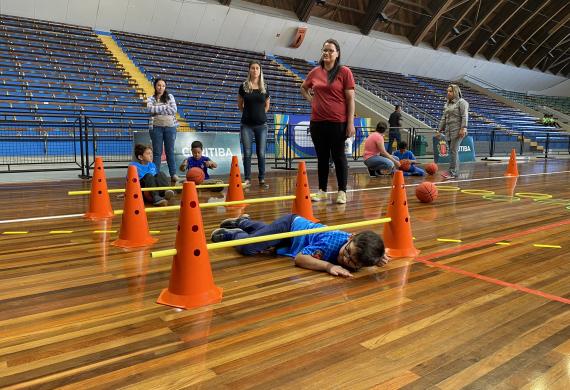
253	228
247	135
158	135
377	163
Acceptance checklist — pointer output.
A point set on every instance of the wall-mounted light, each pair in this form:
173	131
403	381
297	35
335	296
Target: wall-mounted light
455	31
492	41
524	49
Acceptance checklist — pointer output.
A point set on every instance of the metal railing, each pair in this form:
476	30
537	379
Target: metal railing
393	99
33	145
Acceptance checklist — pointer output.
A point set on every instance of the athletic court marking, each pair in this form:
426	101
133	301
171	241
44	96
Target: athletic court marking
426	259
329	192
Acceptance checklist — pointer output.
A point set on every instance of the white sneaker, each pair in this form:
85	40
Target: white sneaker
247	184
168	194
319	196
341	197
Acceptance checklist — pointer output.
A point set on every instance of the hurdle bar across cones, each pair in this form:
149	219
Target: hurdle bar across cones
122	190
219	204
278	236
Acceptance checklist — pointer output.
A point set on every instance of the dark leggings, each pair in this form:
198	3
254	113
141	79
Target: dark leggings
328	138
150	180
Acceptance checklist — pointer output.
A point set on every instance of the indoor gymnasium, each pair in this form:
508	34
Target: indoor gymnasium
294	194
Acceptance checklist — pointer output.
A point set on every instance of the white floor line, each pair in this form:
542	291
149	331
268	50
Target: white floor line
329	192
41	218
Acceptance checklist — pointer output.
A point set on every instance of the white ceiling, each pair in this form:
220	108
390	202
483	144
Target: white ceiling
249	26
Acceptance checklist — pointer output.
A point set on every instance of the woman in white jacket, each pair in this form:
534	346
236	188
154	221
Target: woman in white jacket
163	124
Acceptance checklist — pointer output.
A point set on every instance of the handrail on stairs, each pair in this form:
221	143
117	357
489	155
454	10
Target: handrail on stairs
407	107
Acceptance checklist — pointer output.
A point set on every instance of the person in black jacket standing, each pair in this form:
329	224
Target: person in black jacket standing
394	121
253	101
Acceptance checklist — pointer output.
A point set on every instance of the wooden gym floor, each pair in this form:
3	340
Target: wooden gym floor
484	305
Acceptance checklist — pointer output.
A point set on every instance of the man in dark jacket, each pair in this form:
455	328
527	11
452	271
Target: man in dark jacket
395	125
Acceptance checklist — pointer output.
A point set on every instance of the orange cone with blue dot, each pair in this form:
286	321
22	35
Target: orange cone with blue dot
235	189
134	231
99	201
398	238
302	205
191	281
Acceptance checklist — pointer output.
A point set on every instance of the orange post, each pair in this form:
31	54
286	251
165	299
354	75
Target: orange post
134	225
191	282
302	205
99	201
512	169
398	233
235	190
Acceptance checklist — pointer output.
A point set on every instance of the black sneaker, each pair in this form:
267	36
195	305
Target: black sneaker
372	173
263	184
232	223
168	194
223	234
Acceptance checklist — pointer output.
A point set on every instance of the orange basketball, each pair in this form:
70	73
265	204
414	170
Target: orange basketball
405	165
431	168
196	175
426	192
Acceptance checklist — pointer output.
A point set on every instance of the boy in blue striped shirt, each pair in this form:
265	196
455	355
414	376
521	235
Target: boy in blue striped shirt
336	252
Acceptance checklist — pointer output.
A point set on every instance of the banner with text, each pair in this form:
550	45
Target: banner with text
293	137
220	147
441	150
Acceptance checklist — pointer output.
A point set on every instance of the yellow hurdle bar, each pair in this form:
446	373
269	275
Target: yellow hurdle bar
216	204
121	190
245	241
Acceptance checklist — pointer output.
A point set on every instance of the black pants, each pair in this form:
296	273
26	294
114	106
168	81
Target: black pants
394	134
328	138
158	180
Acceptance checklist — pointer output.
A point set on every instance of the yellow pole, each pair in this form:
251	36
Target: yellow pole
217	204
121	190
253	240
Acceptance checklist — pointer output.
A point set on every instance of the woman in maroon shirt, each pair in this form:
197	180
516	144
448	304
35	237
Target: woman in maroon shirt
332	115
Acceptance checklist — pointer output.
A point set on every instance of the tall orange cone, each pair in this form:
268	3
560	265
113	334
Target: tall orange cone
191	282
134	225
302	205
512	169
99	201
398	233
235	190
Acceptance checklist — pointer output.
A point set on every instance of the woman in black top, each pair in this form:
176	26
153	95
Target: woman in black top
253	101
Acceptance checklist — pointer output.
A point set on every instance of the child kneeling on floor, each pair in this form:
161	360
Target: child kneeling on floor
404	154
197	160
149	176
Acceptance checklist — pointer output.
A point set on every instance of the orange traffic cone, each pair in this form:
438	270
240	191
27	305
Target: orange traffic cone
512	169
134	226
235	190
398	233
99	201
302	205
191	282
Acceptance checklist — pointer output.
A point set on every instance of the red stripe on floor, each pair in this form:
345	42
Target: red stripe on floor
460	248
